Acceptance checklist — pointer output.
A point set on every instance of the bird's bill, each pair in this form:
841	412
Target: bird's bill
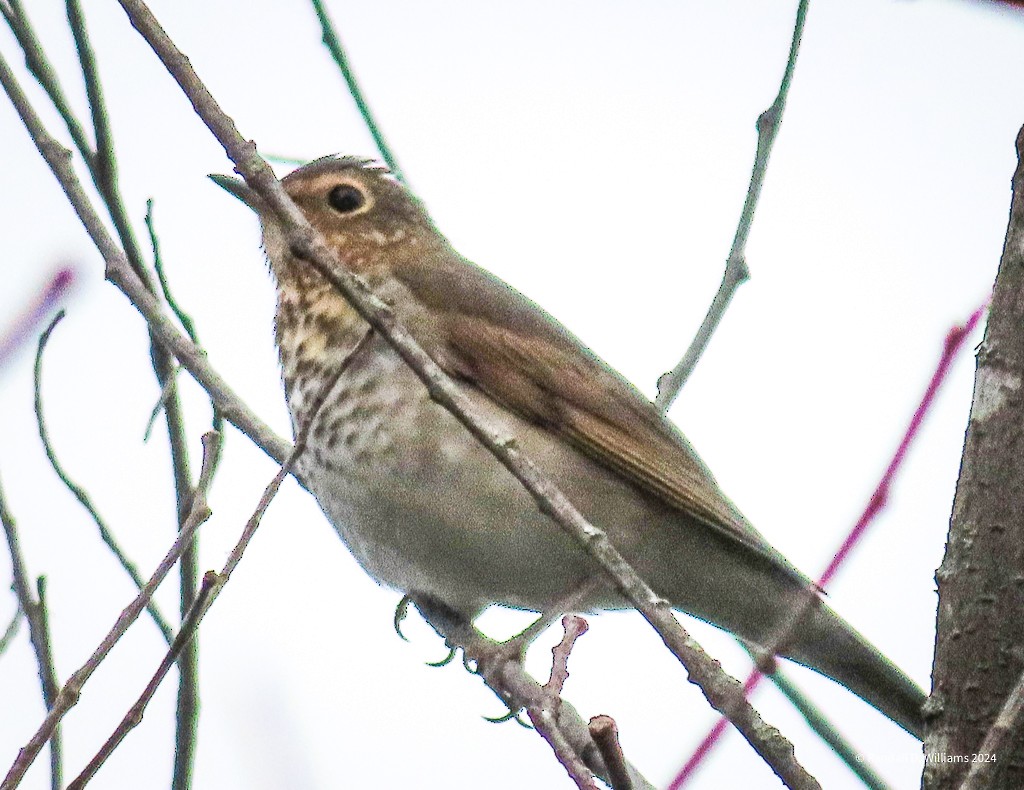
238	188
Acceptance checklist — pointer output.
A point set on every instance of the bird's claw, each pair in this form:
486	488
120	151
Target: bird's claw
401	612
512	715
444	661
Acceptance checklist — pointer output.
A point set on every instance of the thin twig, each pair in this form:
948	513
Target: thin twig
103	166
573	627
50	689
12	630
545	722
120	272
544	717
80	493
186	320
158	265
68	696
824	728
38	631
214	582
736	271
134	716
333	44
94	93
606	735
161	401
306	244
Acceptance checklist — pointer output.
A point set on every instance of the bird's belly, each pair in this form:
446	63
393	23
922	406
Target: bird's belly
425	508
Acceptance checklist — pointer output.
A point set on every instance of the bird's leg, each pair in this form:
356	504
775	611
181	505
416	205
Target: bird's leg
456	628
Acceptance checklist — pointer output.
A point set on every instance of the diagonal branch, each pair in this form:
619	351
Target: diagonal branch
721	691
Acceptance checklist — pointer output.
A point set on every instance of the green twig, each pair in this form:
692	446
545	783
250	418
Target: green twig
79	493
161	276
333	43
186	323
827	731
293	161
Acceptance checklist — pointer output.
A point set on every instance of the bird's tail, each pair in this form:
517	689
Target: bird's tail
828	644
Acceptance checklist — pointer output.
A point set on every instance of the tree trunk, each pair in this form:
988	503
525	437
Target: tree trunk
979	653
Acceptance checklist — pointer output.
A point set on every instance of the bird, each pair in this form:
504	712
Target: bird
426	510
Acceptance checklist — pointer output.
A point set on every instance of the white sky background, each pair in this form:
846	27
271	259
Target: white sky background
595	155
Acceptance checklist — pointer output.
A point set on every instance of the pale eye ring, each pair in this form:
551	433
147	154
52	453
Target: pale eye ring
346	198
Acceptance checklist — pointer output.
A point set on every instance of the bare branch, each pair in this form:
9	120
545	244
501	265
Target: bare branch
826	729
38	631
158	266
134	716
69	694
736	272
545	717
103	168
545	722
80	493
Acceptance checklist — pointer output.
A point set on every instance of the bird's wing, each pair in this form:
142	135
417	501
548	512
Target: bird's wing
486	333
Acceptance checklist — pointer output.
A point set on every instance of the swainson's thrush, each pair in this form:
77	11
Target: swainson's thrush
427	510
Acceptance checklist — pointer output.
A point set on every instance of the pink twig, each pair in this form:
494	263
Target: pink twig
954	341
33	315
575	627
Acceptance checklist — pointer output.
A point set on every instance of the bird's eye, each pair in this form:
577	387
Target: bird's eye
346	198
